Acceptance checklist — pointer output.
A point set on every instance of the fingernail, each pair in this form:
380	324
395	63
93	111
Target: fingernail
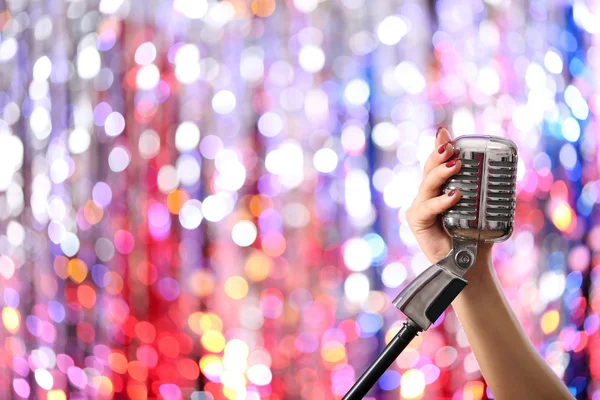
438	131
451	193
442	148
451	163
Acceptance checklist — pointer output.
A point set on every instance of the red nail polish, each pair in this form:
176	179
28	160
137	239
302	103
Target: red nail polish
451	193
438	131
442	148
451	163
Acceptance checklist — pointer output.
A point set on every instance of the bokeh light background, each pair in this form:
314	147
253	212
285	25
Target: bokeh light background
204	199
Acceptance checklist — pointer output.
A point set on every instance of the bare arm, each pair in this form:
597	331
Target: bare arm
510	364
512	367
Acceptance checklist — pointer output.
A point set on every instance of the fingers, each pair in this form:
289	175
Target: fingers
439	204
426	212
439	155
442	136
432	183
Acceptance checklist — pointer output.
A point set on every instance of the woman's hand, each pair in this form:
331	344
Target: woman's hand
423	215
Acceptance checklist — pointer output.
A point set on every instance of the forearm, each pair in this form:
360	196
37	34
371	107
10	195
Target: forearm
510	364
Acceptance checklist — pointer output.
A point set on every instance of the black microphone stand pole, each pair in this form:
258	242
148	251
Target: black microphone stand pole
422	301
383	361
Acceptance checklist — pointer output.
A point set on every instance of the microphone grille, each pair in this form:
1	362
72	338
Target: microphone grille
502	179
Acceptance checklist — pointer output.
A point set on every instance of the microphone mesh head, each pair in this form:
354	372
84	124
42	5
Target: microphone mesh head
502	178
487	182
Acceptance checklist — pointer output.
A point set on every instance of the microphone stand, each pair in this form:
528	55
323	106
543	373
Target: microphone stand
422	301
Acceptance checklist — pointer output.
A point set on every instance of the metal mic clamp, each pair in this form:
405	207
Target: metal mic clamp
432	292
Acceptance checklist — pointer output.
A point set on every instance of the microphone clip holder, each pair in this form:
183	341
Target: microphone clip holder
432	292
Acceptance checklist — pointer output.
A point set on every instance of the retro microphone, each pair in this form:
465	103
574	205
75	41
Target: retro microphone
485	213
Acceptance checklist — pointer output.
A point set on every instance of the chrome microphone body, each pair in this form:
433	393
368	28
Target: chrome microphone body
484	213
486	182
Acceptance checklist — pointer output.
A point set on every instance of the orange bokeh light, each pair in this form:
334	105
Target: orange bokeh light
92	212
77	270
176	199
118	362
137	371
263	8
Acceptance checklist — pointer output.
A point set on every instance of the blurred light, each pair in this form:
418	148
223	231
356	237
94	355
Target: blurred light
356	287
391	30
44	378
244	233
409	78
149	144
550	321
223	102
114	124
325	160
8	48
306	6
145	54
188	169
571	130
357	92
568	156
236	287
190	215
535	77
412	384
56	394
357	194
88	62
79	140
194	9
42	68
394	275
488	81
214	208
147	77
385	135
118	159
553	62
187	136
270	124
353	140
187	64
252	65
357	254
473	390
552	285
11	319
70	244
311	58
259	375
110	6
263	8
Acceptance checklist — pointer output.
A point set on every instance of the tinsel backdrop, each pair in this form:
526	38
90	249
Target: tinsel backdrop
206	199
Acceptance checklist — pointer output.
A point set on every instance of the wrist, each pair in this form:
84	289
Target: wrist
480	277
483	265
